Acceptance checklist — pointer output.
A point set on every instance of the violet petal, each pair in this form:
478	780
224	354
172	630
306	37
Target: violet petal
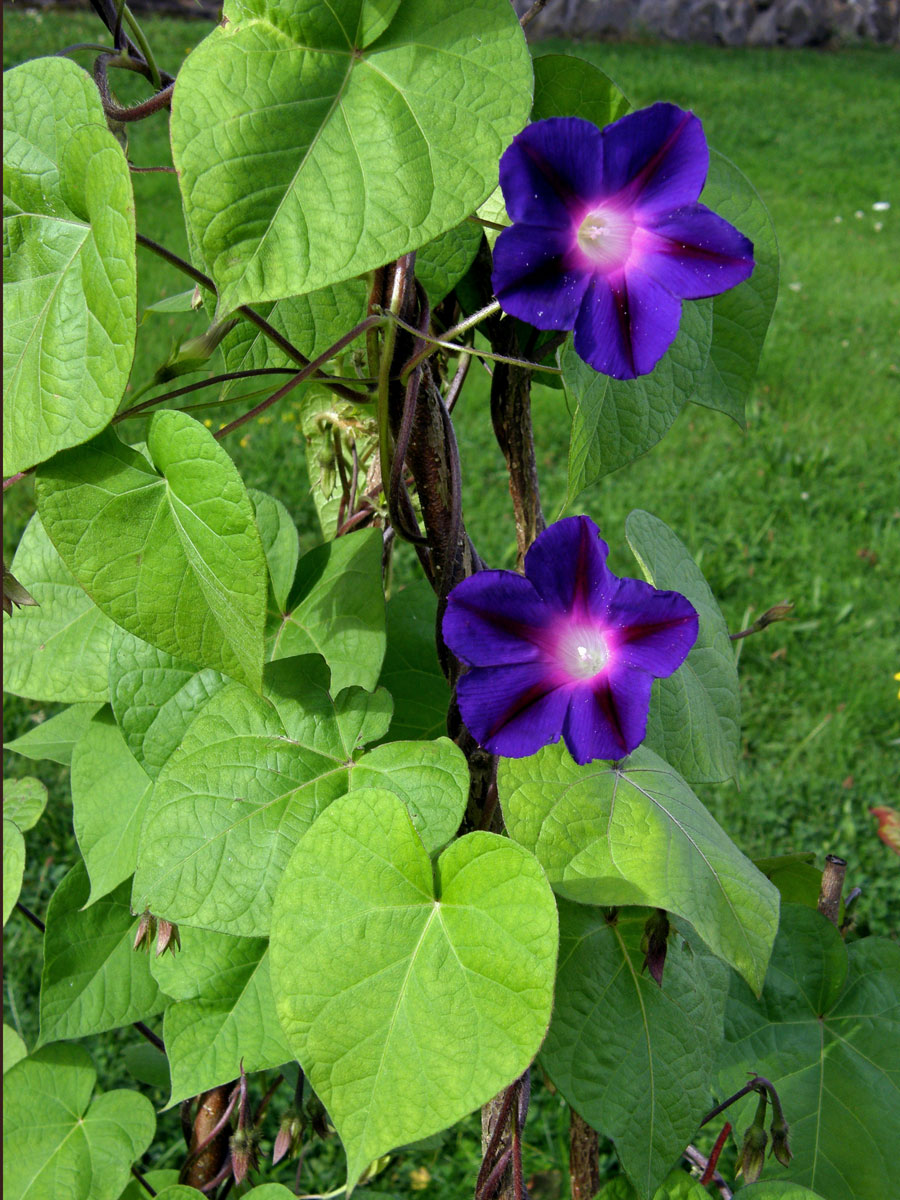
567	564
696	253
531	280
512	710
654	630
655	159
607	716
551	170
624	328
489	616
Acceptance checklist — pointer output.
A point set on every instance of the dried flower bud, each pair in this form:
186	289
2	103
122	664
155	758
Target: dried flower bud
168	938
244	1155
146	931
14	593
655	943
290	1136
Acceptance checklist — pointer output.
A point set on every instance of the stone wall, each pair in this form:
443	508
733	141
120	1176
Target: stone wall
722	22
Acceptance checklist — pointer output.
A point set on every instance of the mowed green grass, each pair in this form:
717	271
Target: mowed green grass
803	505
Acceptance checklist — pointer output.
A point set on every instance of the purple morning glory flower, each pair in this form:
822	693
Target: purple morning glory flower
569	650
608	237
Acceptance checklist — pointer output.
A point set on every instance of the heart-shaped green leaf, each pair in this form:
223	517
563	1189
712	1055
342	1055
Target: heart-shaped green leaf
155	697
826	1032
13	866
740	316
616	420
632	1058
55	738
634	833
225	1015
69	279
92	979
411	671
568	86
110	795
371	147
450	966
250	776
24	800
168	548
694	721
280	542
337	610
59	651
441	264
57	1141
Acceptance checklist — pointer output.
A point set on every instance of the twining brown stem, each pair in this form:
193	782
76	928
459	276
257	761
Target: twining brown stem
251	315
829	902
511	417
584	1158
114	112
209	1140
532	12
693	1155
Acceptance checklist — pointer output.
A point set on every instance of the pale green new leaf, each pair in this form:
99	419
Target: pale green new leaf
58	1143
55	738
225	1015
14	1049
633	832
826	1032
24	800
370	148
60	650
617	420
337	610
110	795
450	966
632	1058
741	315
694	721
168	548
70	284
93	979
155	697
13	866
431	778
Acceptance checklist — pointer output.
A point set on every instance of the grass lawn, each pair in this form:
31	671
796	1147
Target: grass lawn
803	505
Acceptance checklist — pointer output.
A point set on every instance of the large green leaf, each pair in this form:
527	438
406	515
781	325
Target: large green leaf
568	86
225	1015
633	1058
694	721
431	778
740	316
634	833
168	548
55	738
441	264
411	671
433	985
14	1049
337	610
13	866
70	284
92	979
246	783
58	1142
110	795
24	800
60	650
617	420
371	147
155	697
826	1032
312	323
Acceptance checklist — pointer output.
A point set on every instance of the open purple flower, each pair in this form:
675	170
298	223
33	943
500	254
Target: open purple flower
569	650
608	237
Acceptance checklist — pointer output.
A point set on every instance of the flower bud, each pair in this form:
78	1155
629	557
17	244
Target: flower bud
290	1136
194	354
14	593
168	938
655	943
753	1152
146	931
781	1149
244	1156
